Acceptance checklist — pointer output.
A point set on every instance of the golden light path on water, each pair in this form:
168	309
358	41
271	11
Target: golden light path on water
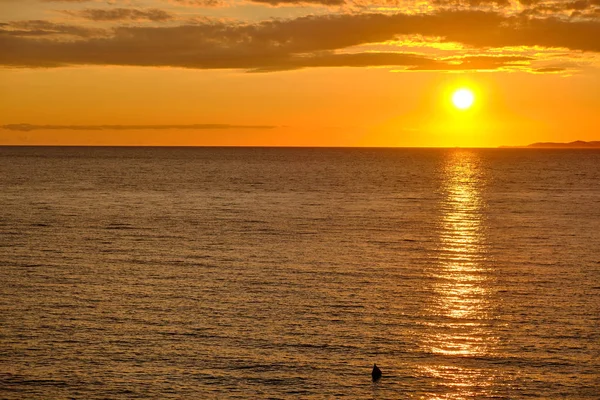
459	307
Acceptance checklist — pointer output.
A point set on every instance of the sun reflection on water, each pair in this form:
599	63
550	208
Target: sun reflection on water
459	310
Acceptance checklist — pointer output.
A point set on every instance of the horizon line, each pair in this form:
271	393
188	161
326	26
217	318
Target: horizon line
501	147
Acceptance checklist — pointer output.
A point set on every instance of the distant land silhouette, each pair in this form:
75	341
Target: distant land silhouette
579	144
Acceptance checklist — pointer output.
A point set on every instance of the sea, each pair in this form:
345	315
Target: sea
287	273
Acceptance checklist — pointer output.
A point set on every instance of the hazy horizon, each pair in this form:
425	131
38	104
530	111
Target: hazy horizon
554	145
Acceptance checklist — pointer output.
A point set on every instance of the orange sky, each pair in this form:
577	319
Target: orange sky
298	73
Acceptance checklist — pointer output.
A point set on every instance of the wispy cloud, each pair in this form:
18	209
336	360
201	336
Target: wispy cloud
66	1
31	127
120	14
299	2
199	3
45	28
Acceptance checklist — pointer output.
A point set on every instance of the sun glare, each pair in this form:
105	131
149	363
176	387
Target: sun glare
463	99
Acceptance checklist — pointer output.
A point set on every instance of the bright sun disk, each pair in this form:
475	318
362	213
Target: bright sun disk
463	98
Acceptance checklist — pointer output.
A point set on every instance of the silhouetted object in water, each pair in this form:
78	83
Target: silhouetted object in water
376	373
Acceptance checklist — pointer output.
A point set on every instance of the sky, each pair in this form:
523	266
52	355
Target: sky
298	72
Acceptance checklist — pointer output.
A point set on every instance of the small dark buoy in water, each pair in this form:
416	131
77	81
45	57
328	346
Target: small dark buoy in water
376	373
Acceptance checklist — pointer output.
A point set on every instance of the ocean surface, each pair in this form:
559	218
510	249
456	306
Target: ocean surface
265	273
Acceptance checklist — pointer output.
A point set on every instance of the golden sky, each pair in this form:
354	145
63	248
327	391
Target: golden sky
298	73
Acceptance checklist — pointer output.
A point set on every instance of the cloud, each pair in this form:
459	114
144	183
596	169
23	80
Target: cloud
45	28
311	41
199	3
549	70
30	127
575	8
473	3
298	2
409	61
480	63
119	14
272	3
330	59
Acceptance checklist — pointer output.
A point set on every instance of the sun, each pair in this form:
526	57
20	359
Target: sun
463	99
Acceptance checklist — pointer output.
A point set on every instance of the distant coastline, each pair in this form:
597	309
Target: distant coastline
578	144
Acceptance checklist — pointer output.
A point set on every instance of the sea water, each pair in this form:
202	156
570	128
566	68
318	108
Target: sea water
254	273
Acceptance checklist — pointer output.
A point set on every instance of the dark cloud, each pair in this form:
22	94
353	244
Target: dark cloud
310	41
544	32
119	14
30	127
